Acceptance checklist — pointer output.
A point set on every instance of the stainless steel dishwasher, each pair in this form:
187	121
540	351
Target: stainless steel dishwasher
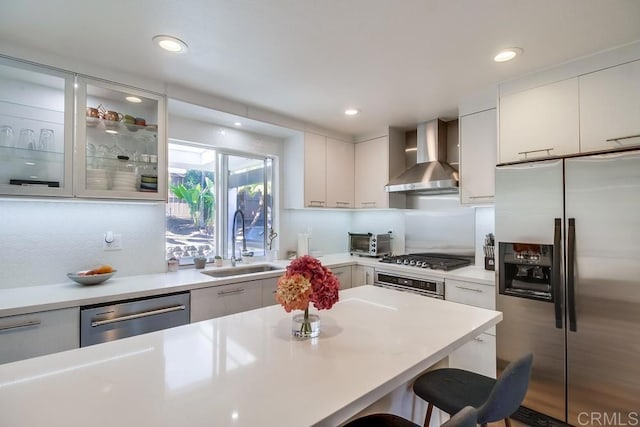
109	322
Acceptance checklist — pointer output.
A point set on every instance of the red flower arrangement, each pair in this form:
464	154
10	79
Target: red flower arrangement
307	280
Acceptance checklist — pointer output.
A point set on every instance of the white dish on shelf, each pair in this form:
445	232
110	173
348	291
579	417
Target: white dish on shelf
92	279
92	121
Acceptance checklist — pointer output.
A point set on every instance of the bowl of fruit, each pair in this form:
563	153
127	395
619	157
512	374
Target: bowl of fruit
94	276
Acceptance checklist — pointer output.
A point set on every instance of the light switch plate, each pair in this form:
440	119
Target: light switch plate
114	245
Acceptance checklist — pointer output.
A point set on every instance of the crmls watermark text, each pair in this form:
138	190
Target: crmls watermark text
609	419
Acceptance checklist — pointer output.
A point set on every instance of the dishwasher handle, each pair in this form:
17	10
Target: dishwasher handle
138	315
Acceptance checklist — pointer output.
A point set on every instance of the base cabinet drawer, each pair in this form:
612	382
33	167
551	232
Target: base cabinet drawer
470	293
478	355
217	301
37	334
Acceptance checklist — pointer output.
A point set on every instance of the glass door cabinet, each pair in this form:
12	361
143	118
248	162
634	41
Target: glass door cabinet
36	129
117	142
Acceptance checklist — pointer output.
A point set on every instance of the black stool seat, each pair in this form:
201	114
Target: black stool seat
381	420
452	389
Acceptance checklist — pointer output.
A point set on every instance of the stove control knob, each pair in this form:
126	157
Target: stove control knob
398	261
412	262
406	262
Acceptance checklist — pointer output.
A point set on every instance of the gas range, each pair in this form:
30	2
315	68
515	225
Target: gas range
428	260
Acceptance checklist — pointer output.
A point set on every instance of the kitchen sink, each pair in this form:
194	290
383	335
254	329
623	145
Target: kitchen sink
238	271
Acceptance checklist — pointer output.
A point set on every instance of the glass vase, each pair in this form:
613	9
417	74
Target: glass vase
305	325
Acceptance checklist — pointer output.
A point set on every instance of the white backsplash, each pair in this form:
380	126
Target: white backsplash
327	229
42	240
45	239
374	221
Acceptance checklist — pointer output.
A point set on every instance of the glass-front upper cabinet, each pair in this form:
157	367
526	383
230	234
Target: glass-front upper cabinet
121	143
36	129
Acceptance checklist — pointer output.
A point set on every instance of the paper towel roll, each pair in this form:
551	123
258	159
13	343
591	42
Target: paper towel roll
303	244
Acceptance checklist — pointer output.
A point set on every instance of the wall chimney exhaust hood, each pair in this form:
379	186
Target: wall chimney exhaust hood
431	174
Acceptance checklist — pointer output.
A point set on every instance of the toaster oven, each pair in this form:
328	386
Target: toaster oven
369	244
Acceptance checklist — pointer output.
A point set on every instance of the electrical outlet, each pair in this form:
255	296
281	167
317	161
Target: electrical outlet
112	242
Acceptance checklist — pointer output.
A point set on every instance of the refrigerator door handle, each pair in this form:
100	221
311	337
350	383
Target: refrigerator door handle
571	257
557	238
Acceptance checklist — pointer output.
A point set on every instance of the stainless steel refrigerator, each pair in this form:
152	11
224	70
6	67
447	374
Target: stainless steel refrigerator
568	268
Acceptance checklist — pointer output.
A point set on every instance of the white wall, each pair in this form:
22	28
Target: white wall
45	239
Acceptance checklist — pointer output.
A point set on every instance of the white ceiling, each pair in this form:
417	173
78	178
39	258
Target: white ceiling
400	61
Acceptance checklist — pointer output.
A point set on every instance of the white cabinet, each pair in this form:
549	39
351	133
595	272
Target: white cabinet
315	173
478	144
344	276
340	161
36	130
112	148
37	334
610	108
539	122
376	162
269	291
318	173
121	142
478	355
362	275
216	301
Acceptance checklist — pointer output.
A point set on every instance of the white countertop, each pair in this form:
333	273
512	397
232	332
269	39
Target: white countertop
15	301
244	369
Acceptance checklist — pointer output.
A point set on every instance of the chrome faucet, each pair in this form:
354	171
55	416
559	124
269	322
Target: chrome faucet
233	238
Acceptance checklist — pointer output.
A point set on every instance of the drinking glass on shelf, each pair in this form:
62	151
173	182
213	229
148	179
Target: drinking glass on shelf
46	141
27	139
6	136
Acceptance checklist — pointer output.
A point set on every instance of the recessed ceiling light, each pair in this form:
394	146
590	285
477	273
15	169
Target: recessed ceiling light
237	124
170	43
351	111
507	54
133	99
111	131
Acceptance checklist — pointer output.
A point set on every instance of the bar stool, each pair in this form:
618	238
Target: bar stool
465	418
452	389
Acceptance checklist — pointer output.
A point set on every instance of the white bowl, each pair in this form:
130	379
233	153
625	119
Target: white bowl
92	279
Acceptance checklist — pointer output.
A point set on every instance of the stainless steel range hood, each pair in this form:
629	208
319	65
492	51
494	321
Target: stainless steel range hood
431	174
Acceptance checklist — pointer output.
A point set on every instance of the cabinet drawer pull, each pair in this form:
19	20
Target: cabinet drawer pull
479	197
138	315
478	339
21	325
316	203
622	137
468	289
548	150
368	203
338	204
233	292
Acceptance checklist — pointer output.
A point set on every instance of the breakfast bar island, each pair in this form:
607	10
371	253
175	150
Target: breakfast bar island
245	369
